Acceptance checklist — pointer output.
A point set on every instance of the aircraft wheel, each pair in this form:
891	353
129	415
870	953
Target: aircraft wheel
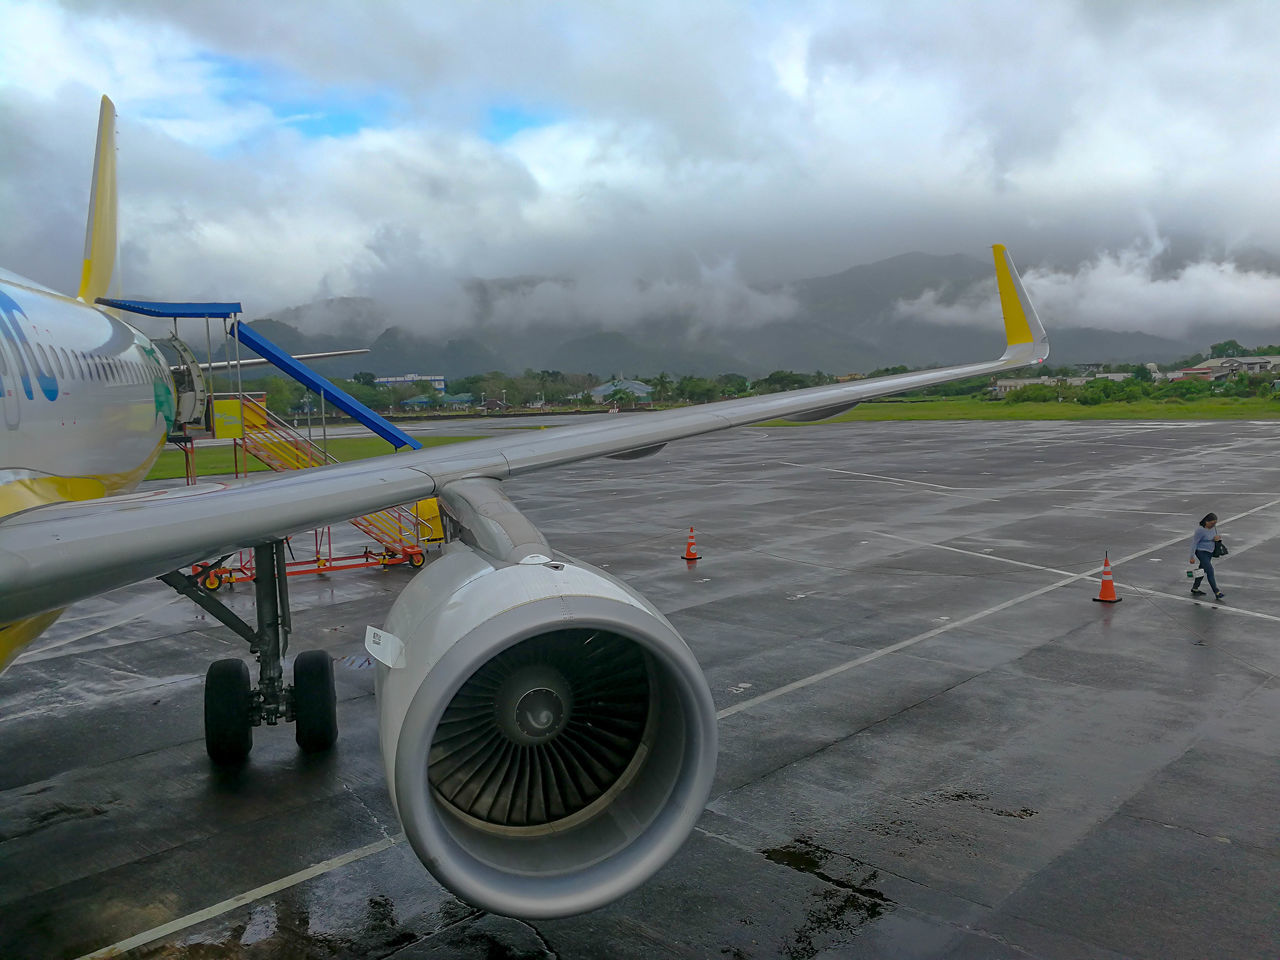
228	712
315	702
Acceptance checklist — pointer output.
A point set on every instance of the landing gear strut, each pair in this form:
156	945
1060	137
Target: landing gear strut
232	708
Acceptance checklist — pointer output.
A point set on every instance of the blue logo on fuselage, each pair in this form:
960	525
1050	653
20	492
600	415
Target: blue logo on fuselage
13	332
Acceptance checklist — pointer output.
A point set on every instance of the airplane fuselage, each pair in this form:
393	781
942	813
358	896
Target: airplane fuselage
86	402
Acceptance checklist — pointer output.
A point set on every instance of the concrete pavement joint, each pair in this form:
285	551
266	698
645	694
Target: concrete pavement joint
386	842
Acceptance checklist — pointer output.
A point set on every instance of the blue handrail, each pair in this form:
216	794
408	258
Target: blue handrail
313	381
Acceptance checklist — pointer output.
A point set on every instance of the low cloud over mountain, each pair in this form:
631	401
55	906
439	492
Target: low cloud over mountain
915	308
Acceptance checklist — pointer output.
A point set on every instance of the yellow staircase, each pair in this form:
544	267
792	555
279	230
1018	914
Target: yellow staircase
400	530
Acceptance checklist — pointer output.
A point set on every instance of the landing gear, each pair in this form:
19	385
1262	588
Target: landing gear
232	708
228	712
315	702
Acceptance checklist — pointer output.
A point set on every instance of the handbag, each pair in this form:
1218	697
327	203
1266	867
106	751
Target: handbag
1219	549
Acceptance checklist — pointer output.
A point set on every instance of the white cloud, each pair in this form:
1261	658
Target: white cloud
716	297
1124	290
785	139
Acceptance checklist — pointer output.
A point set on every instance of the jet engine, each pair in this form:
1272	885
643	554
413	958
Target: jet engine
549	739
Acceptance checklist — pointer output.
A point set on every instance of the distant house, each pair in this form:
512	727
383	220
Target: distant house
452	401
493	404
1221	368
420	402
641	391
1002	387
1232	365
457	401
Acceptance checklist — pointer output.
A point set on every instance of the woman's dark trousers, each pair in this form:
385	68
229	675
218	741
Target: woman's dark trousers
1206	570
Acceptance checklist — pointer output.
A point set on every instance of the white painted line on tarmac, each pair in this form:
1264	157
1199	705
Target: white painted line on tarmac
972	618
325	866
240	899
938	488
1147	591
892	648
1142	592
975	553
873	476
46	651
1146	513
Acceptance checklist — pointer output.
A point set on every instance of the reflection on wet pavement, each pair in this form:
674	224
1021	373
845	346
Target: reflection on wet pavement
839	913
1032	776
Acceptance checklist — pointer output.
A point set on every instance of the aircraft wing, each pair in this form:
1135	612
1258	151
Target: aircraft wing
217	366
53	555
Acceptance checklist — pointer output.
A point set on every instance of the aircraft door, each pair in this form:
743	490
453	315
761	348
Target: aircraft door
190	386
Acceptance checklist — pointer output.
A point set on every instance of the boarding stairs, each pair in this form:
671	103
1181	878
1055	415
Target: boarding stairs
279	446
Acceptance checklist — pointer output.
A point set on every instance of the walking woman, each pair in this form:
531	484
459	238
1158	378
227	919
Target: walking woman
1202	547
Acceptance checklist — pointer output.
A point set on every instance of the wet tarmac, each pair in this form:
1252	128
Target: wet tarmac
933	745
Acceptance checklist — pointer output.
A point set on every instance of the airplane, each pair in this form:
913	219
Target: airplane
548	737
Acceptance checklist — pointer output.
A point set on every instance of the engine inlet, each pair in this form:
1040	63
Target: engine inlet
544	730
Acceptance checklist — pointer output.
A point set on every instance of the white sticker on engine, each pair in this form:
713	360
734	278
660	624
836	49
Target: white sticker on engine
386	648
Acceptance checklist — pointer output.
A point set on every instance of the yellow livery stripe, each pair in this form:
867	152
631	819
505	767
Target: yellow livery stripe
18	495
15	636
37	491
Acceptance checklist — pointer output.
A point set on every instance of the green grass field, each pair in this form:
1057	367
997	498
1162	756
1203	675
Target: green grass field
969	408
215	461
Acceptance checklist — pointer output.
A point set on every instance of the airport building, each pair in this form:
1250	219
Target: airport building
436	381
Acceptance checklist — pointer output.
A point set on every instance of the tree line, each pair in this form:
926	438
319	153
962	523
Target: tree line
1128	391
288	398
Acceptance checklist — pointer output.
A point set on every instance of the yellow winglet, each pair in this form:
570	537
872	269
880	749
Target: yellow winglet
100	230
1021	325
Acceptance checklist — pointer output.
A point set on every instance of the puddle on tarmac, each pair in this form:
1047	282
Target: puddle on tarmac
979	801
839	914
282	930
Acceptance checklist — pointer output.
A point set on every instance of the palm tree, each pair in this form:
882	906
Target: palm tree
621	397
662	385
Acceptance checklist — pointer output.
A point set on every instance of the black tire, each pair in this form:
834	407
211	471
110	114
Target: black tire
315	702
417	559
228	712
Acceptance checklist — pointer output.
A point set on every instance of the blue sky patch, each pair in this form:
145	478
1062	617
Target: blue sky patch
331	112
504	121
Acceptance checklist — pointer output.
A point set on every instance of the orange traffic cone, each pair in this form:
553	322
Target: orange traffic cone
1108	592
691	552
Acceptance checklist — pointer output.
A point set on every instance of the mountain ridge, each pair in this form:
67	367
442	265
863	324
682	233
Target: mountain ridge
846	322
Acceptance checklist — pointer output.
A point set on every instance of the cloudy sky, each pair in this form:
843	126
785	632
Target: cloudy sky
281	152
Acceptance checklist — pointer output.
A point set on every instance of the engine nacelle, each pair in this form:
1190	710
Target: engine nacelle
550	741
